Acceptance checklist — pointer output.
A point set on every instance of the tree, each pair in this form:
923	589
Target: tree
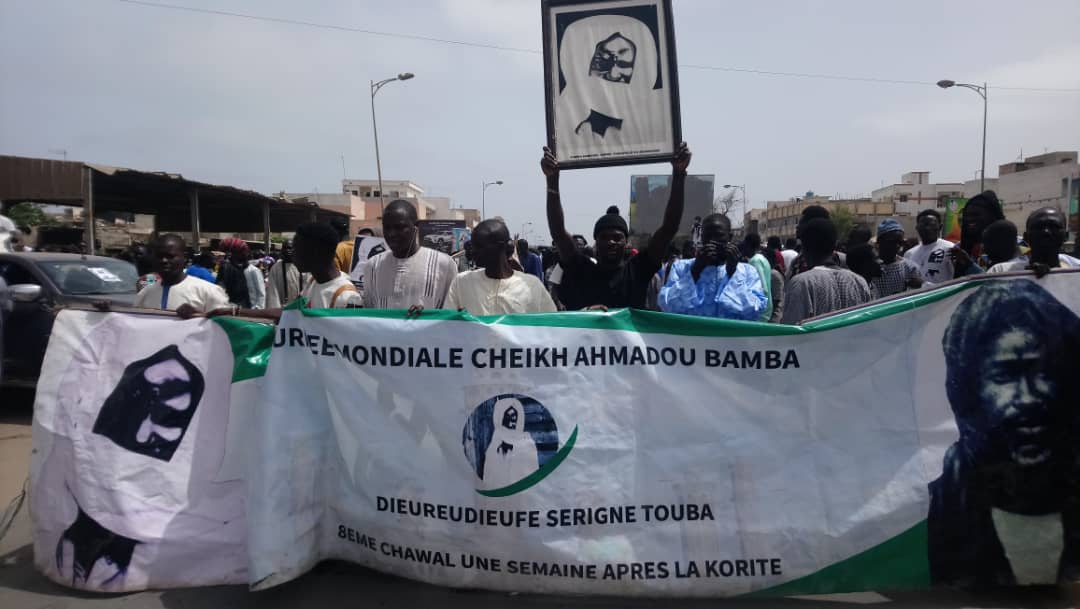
844	221
28	214
724	203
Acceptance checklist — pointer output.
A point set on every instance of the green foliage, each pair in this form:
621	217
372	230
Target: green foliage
28	214
843	220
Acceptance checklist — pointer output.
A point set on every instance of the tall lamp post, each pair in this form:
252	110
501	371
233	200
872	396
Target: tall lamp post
375	86
483	197
523	234
743	187
982	91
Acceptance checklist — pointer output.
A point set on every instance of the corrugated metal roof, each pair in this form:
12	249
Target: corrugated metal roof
162	194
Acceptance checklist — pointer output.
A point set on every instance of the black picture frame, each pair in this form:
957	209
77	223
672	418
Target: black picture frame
668	72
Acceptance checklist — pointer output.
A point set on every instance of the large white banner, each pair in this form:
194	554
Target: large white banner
922	441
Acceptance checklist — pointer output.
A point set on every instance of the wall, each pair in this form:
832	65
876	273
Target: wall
1023	192
781	217
395	189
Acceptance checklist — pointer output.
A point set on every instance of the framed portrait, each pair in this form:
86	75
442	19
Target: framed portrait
611	82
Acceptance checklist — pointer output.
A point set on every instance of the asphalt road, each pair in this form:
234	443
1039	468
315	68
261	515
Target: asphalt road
343	585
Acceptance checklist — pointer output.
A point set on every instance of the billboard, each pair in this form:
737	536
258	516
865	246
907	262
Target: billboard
447	236
649	196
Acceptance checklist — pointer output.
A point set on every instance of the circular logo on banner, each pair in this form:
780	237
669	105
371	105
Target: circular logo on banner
512	443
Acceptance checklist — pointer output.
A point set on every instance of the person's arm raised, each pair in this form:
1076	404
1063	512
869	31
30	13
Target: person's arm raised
660	240
555	217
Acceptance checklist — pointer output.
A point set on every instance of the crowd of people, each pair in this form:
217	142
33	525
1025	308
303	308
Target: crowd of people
710	275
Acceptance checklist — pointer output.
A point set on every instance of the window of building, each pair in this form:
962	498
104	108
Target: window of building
1064	187
903	198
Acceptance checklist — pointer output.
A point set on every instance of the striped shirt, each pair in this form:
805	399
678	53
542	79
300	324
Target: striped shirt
822	290
399	283
894	277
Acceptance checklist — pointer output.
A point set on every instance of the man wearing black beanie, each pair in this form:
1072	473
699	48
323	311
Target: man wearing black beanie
611	281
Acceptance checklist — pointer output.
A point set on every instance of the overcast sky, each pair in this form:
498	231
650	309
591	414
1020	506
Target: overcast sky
272	106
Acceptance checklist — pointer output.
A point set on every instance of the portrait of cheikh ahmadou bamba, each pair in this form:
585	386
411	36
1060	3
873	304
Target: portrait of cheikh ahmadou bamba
511	454
610	99
152	405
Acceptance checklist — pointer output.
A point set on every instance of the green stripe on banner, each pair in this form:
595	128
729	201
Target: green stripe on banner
651	322
535	477
251	343
899	563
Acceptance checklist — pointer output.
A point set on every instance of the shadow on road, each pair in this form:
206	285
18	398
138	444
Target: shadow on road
342	585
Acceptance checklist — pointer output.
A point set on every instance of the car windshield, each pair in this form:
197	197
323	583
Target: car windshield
92	276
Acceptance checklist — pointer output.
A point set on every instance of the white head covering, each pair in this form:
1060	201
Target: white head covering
511	455
641	107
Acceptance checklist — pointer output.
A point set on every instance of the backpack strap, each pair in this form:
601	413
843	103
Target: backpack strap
345	288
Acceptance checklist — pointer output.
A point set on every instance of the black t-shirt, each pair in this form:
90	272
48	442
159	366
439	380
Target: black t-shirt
585	283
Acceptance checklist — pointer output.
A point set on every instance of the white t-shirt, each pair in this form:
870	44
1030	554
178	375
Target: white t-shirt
338	293
481	295
789	257
1020	264
933	260
201	294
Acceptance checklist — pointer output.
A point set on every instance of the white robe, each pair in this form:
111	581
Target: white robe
511	455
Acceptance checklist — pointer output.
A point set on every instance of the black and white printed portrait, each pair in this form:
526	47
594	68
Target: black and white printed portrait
151	406
612	86
508	437
1006	509
92	556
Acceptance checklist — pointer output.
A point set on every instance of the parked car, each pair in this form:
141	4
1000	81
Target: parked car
38	282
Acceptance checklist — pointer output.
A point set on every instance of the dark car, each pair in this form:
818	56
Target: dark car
39	282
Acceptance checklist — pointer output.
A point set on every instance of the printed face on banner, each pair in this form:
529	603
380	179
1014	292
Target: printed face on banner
91	555
611	83
151	407
512	443
1008	350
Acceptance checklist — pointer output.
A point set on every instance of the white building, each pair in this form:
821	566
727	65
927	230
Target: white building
915	193
395	189
360	199
1046	180
974	187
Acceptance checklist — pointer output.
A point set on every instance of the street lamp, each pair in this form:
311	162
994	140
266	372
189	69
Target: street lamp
483	197
522	234
375	86
982	91
743	187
